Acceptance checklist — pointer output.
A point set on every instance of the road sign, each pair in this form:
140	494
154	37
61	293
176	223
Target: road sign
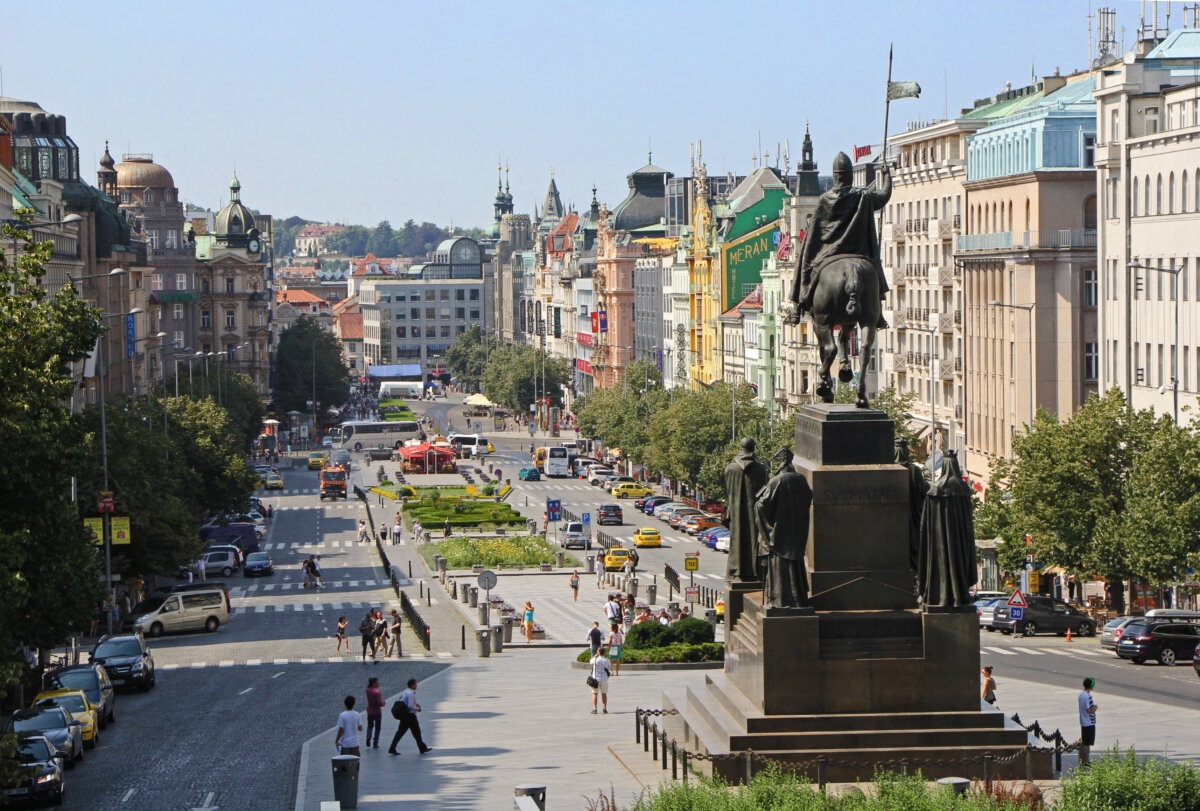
692	594
1015	612
487	580
553	510
587	518
691	564
106	502
1017	599
119	527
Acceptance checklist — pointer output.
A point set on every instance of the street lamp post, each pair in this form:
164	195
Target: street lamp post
1028	308
1175	345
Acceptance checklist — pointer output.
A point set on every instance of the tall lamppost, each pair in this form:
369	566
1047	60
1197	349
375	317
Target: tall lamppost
1175	344
1028	308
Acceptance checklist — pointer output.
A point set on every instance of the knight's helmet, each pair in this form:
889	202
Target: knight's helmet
842	167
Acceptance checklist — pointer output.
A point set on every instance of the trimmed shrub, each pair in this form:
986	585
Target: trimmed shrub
710	652
1117	780
690	631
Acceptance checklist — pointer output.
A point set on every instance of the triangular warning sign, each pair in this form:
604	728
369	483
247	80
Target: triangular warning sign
1017	599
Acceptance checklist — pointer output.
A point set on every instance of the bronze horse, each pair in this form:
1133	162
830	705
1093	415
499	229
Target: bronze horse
846	296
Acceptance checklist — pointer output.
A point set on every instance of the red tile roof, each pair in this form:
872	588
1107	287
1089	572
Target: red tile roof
350	326
320	230
754	299
298	297
345	304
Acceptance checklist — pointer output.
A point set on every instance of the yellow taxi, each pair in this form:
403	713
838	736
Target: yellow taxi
720	607
316	460
631	490
614	560
647	536
79	706
273	482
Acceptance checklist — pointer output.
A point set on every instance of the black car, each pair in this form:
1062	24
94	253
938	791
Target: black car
126	660
44	772
1042	614
63	732
1165	640
610	514
91	679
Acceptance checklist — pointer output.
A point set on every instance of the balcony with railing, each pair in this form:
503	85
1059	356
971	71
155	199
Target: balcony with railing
1027	240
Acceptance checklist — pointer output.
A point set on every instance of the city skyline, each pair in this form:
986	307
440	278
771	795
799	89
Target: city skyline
281	95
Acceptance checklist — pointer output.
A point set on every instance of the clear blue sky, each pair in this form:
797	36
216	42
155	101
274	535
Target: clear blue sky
358	112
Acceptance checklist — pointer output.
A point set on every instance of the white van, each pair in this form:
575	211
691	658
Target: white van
182	611
472	444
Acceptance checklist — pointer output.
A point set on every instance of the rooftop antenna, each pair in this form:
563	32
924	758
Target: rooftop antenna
787	156
692	159
761	156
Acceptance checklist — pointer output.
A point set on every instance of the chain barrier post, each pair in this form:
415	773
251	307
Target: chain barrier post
821	762
637	726
749	765
645	733
685	766
988	758
674	760
664	747
654	731
904	768
1058	744
1029	763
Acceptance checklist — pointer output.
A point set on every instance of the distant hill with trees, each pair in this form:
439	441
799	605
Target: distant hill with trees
410	240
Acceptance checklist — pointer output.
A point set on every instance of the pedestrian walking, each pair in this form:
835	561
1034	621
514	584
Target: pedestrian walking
405	710
988	686
270	513
317	572
383	533
341	635
349	724
374	712
595	637
363	535
616	644
528	621
1087	722
418	532
612	609
575	585
191	568
394	633
599	567
397	531
380	636
598	680
201	568
367	629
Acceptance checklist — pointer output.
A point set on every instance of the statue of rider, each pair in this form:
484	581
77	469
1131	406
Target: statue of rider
843	225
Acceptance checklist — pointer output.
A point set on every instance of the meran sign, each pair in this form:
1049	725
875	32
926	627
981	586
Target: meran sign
742	261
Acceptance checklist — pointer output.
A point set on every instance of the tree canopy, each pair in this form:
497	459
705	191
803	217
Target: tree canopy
515	372
467	357
307	352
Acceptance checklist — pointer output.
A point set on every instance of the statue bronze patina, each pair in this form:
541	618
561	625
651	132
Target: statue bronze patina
783	508
744	477
917	488
946	569
841	281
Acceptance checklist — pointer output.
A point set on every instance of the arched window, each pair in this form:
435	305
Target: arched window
1011	225
1089	213
1134	197
1171	193
1026	213
1146	197
1183	192
1158	197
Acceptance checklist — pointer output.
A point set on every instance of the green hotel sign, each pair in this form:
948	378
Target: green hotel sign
742	261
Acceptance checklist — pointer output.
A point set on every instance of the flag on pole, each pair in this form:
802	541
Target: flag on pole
861	152
903	90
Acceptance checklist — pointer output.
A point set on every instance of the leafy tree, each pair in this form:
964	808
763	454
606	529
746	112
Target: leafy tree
382	241
307	353
467	357
350	242
49	577
515	372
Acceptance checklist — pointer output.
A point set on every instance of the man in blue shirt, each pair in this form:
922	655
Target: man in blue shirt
1087	722
406	709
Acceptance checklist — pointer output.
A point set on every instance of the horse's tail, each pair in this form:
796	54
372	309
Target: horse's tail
853	307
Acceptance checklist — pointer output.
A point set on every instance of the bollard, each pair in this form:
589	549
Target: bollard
633	587
483	613
497	639
473	591
537	793
988	759
637	725
674	760
464	637
822	762
1058	742
465	593
645	733
420	588
664	746
651	593
749	766
959	784
429	598
685	766
453	589
410	570
654	750
485	644
345	780
1029	765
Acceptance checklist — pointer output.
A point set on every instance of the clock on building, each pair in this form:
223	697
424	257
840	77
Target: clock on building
253	246
465	253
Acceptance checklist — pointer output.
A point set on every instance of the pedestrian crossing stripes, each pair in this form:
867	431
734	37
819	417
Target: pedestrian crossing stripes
1017	651
350	659
280	608
333	584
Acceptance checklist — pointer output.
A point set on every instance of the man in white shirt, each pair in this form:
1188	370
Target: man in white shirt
601	668
349	724
1087	722
408	708
612	609
200	567
317	571
599	568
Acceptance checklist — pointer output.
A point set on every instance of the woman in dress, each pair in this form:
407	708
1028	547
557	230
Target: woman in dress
341	635
616	644
528	621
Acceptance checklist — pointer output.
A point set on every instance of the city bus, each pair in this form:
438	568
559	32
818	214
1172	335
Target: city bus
557	464
359	434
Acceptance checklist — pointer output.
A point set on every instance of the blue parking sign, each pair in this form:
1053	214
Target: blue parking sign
553	510
587	518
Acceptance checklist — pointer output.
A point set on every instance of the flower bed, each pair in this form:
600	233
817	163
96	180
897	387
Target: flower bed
487	514
463	553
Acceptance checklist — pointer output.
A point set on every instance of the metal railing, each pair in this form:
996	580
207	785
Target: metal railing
1004	240
672	578
415	620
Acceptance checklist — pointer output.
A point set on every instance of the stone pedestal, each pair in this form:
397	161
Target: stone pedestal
733	598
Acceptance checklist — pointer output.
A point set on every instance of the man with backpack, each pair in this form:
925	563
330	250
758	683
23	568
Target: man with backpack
405	711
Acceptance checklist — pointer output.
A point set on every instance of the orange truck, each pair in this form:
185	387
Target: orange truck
333	482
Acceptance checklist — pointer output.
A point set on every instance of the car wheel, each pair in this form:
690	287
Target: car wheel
989	629
58	798
1166	656
1087	629
211	624
227	571
1030	629
1139	660
94	741
156	629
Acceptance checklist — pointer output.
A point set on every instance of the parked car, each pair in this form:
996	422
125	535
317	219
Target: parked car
1041	615
709	537
598	474
647	536
695	524
77	705
986	609
44	780
630	490
93	680
677	517
600	479
722	544
126	659
609	484
1196	660
650	502
610	514
1111	633
576	540
56	724
614	559
258	563
529	474
990	595
666	508
1164	640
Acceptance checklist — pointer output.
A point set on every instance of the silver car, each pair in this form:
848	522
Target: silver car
986	608
1110	634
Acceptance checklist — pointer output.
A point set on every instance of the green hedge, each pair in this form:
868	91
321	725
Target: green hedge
689	631
677	652
433	513
1117	780
463	553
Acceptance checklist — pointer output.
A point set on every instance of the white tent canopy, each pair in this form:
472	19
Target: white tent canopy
478	400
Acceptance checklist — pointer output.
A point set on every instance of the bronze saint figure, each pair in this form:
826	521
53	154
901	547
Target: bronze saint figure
783	509
917	488
946	569
744	477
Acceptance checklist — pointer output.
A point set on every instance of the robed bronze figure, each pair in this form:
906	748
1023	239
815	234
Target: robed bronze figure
917	488
744	477
783	509
946	569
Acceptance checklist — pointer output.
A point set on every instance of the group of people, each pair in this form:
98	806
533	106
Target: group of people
397	530
312	572
1087	711
404	710
380	634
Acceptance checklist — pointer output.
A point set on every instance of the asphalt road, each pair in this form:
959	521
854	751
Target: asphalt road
224	725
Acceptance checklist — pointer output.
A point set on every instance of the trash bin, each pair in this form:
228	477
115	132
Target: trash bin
651	593
537	793
591	563
441	563
508	626
345	780
710	615
497	639
561	559
483	613
473	591
485	643
673	608
632	586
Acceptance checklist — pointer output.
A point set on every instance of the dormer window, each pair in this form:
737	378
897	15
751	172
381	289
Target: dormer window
149	197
